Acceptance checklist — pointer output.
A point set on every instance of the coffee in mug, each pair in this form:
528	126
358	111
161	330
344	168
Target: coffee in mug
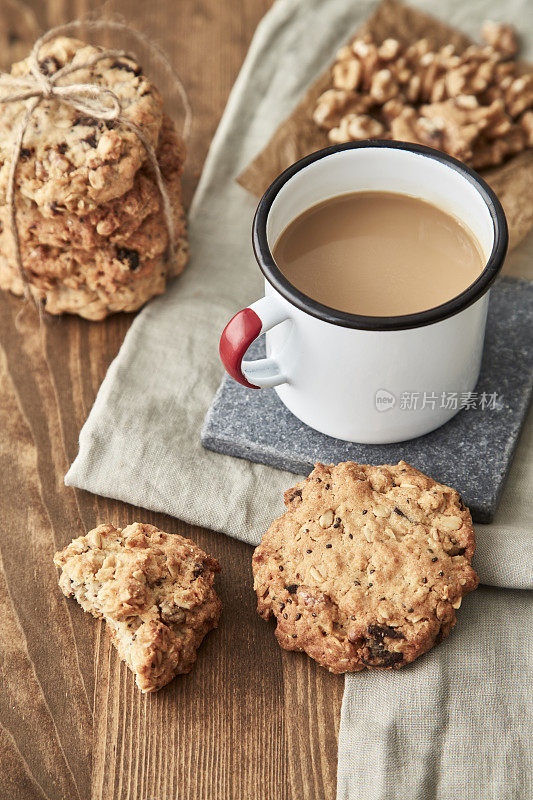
378	254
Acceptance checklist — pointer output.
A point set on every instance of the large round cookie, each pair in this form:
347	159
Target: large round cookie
367	566
69	159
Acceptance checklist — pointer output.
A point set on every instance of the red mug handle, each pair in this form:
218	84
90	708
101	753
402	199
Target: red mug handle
239	334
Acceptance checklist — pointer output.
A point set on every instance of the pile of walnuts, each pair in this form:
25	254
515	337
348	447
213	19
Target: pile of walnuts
475	106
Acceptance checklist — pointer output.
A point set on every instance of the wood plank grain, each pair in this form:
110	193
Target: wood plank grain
250	721
45	680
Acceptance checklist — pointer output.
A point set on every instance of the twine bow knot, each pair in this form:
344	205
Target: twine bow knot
89	99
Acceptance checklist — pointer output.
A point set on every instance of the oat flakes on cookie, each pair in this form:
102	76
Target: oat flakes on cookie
113	221
76	161
367	566
154	590
474	105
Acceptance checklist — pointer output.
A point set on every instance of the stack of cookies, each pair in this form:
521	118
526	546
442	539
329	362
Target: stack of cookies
93	235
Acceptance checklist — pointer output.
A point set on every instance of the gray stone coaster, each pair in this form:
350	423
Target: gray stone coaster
472	452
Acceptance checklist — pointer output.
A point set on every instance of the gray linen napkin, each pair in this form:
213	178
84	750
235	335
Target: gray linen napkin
454	724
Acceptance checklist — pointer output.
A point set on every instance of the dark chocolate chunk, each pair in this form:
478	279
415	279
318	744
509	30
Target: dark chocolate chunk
135	70
131	256
386	659
292	588
49	65
295	494
91	140
380	631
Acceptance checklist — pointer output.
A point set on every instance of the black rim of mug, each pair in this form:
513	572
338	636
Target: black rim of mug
305	303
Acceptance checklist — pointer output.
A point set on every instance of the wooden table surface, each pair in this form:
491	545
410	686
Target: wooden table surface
251	722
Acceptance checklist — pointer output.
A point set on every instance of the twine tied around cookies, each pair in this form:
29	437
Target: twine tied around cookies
89	99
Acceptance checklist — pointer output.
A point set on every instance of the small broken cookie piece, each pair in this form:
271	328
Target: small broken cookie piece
154	590
367	566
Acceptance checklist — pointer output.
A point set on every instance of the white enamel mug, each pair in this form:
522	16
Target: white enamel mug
348	375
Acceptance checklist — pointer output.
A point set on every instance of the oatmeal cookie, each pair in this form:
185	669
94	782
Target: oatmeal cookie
154	590
73	160
122	260
94	286
113	221
105	262
367	566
